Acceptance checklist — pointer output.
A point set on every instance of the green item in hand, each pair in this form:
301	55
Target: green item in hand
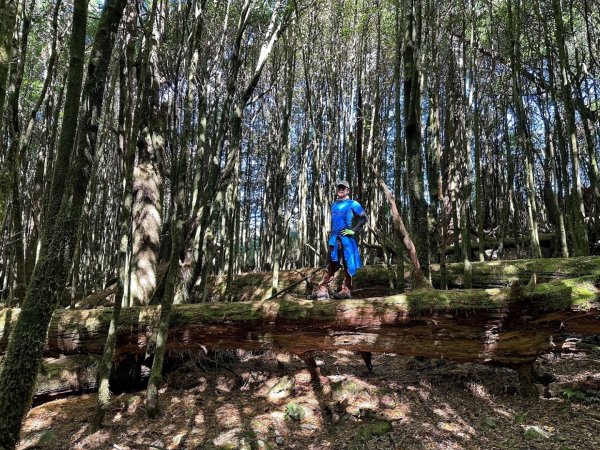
347	232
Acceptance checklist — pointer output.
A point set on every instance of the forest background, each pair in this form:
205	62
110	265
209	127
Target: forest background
209	135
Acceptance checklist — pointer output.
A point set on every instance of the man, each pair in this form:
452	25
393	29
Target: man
343	248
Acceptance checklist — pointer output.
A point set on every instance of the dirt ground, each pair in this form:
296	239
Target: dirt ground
248	402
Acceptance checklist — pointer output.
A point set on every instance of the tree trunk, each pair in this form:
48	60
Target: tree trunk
173	292
20	366
8	17
282	179
412	103
524	137
147	189
577	211
23	357
128	151
419	279
399	157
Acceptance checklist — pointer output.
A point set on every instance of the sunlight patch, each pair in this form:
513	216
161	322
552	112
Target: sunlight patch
228	416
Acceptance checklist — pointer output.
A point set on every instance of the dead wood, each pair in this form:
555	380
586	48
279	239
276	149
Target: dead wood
492	326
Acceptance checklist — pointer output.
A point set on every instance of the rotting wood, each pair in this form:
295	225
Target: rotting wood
73	374
500	326
77	374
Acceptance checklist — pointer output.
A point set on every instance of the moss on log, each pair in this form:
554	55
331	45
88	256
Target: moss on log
506	326
373	281
66	375
504	273
545	239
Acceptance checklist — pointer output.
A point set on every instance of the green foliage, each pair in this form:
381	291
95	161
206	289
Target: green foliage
521	418
368	431
490	423
295	411
577	396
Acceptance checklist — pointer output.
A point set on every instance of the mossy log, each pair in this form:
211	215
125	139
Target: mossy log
77	374
546	240
373	281
491	274
65	375
505	326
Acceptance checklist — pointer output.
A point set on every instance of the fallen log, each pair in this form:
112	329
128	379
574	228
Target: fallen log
77	374
501	326
545	239
58	377
373	281
506	272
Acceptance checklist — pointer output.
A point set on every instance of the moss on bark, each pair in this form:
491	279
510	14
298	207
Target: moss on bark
503	325
373	280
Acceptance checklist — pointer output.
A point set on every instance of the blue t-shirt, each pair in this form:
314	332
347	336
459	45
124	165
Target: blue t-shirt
342	213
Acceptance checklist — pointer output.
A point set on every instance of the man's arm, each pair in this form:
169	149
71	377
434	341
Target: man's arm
360	222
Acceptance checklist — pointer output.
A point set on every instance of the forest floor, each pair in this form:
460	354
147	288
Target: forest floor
247	402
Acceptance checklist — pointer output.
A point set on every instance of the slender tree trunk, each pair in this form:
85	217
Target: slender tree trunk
127	150
398	145
592	166
436	188
18	373
282	178
412	104
577	211
174	290
479	205
514	20
552	184
10	180
464	138
8	17
419	279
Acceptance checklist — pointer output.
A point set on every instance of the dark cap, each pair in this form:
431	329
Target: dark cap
342	183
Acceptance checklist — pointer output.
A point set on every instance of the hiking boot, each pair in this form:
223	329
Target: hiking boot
323	289
323	292
343	293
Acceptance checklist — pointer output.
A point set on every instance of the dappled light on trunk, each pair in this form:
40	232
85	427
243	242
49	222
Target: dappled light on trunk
147	222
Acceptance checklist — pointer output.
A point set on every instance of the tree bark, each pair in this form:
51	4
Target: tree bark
282	178
127	162
523	133
148	180
399	155
20	366
22	362
8	17
577	210
419	279
174	288
412	104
